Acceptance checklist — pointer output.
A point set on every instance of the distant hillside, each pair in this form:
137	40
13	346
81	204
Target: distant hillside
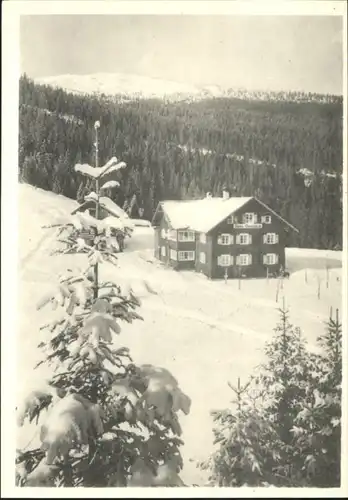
128	86
289	154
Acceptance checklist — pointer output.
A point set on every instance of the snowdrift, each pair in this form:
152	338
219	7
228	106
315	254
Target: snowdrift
302	258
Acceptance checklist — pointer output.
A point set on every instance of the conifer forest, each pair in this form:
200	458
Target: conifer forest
286	153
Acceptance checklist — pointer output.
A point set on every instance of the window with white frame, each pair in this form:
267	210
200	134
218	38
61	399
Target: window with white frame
270	238
244	259
173	254
203	238
202	258
270	259
186	236
163	251
244	239
187	255
230	219
163	233
250	218
225	239
266	219
225	260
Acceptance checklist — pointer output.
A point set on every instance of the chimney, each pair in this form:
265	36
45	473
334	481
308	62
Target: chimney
225	193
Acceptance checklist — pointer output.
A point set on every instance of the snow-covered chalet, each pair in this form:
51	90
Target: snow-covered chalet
221	237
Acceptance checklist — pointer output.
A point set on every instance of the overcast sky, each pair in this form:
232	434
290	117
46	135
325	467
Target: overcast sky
262	52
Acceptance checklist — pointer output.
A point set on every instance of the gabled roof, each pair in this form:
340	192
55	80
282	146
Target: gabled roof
200	215
277	215
86	205
205	214
110	206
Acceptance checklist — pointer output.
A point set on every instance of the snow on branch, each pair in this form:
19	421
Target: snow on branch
98	172
110	185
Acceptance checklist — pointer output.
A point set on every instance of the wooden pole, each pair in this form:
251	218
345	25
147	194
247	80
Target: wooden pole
277	290
239	393
96	164
96	266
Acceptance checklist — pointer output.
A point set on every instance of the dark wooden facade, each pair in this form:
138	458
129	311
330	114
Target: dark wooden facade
208	247
172	247
257	248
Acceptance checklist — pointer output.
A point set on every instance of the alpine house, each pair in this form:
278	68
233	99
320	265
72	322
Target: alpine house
221	237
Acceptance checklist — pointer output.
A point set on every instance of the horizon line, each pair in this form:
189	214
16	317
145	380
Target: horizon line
181	82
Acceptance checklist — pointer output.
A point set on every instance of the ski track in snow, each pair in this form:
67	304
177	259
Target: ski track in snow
41	246
203	318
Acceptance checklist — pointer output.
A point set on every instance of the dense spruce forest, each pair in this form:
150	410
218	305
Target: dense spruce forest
287	154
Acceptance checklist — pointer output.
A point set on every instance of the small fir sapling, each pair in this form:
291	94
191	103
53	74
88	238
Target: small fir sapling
106	420
285	425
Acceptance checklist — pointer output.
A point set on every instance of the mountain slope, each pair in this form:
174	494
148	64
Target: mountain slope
287	154
204	342
131	86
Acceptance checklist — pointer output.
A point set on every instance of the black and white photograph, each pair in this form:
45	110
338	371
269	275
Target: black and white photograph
179	214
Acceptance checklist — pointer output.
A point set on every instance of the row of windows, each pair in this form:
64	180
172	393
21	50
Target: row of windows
182	255
250	218
182	235
246	239
269	259
222	260
223	239
228	260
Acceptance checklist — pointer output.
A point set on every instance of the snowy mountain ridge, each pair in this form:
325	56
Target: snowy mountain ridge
129	86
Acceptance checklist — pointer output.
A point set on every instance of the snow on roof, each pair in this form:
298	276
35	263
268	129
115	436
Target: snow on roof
118	223
112	207
105	203
201	215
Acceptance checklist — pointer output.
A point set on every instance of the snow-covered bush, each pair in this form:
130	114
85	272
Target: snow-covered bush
82	232
285	428
104	421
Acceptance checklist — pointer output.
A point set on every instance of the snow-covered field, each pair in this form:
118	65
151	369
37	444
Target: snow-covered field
206	332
